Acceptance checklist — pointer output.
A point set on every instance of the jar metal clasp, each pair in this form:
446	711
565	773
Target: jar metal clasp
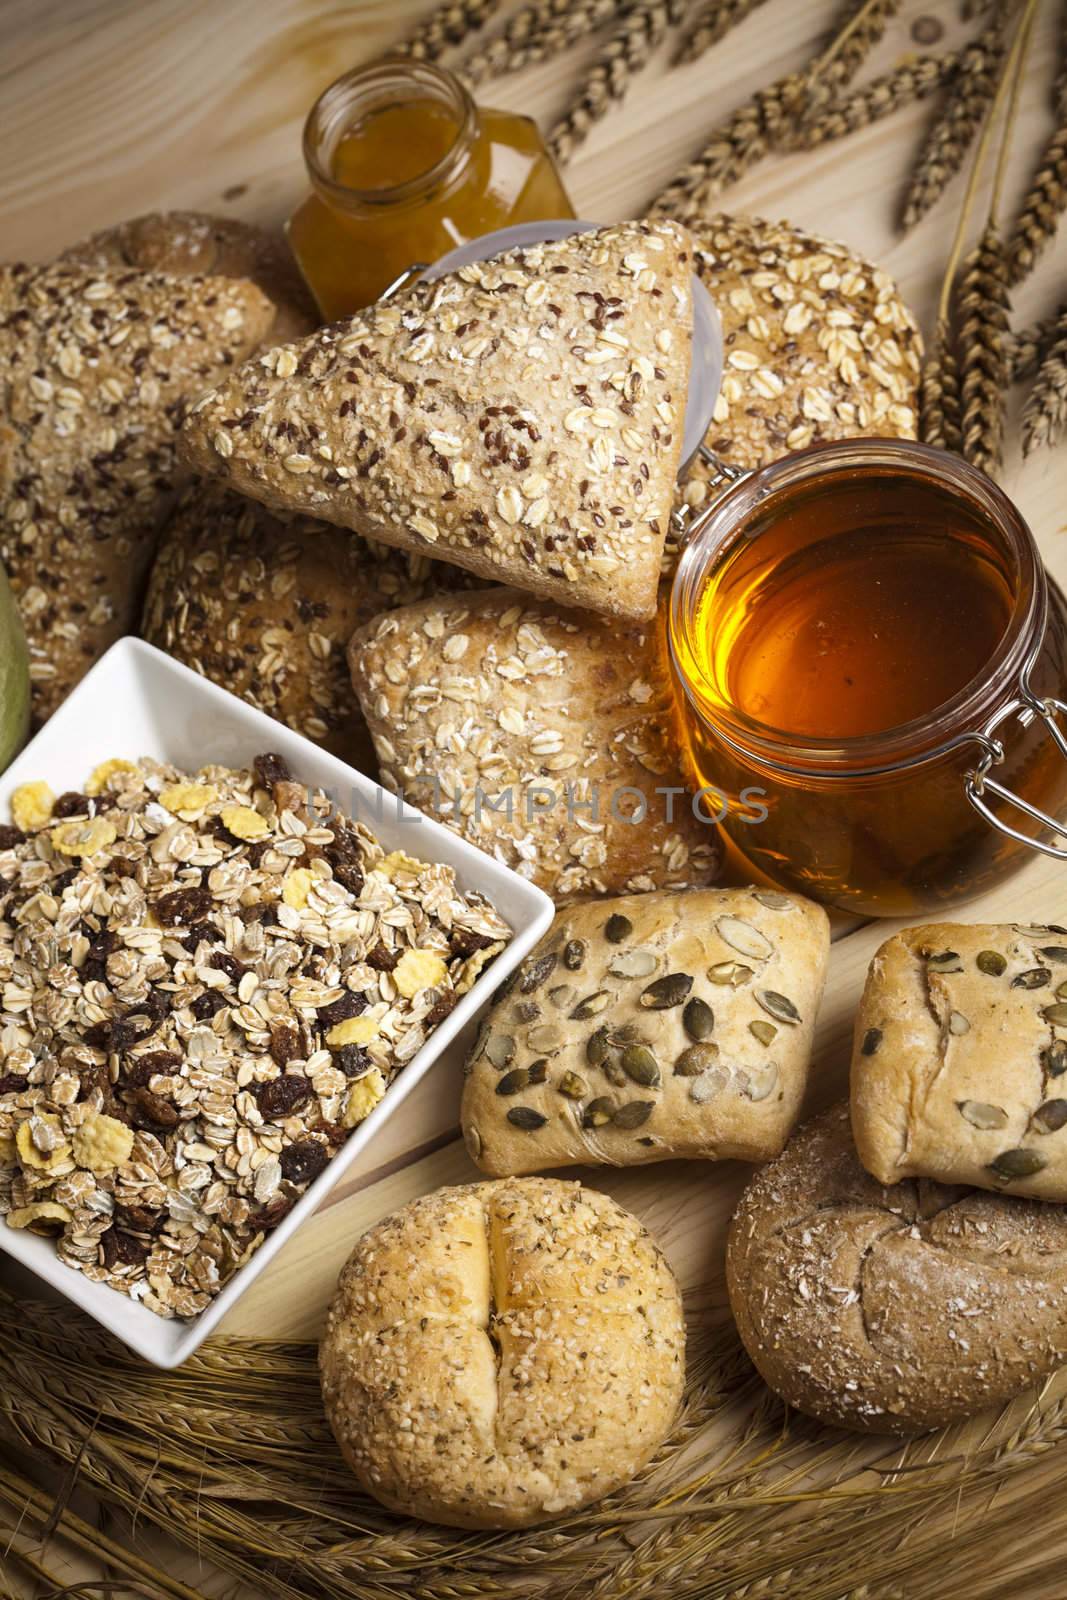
979	782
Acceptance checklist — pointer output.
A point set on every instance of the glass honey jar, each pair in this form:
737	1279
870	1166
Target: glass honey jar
404	168
870	663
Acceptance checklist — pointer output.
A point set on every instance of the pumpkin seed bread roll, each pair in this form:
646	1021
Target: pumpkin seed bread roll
97	366
521	418
265	606
192	244
892	1310
544	736
651	1027
958	1068
502	1354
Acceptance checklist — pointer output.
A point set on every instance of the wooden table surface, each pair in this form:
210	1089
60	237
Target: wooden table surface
113	107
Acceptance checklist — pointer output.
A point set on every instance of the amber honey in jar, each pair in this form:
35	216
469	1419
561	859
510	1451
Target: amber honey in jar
865	645
405	167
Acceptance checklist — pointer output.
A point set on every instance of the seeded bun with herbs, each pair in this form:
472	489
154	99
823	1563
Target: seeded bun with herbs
892	1309
521	417
502	1354
648	1028
960	1055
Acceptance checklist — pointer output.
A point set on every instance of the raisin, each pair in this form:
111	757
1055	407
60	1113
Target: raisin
278	1097
183	907
205	1005
164	1062
120	867
464	941
284	1043
303	1161
10	836
349	1005
138	1219
352	1060
94	967
12	1083
441	1009
269	1217
206	932
150	1110
122	1249
270	769
63	880
349	876
332	1132
72	804
381	959
222	961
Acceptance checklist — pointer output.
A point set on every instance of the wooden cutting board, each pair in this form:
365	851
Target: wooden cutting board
111	107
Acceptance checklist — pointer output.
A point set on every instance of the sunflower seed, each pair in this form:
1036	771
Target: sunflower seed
1057	1014
771	898
1054	1058
632	964
591	1006
596	1047
548	1038
991	962
573	954
526	1117
763	1031
778	1005
1056	953
617	928
871	1040
639	1065
944	960
982	1115
613	1072
1033	978
958	1023
733	973
562	995
756	1083
598	1112
1017	1164
1050	1117
500	1050
708	1085
634	1114
695	1060
698	1019
535	974
519	1078
668	991
744	938
573	1085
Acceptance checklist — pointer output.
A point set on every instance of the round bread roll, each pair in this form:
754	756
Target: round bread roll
190	243
892	1310
265	606
500	1354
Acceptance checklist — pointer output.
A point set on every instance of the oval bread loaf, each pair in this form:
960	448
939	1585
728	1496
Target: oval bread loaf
892	1310
650	1027
503	1353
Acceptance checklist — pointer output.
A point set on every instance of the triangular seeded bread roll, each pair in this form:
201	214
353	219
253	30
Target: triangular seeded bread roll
521	418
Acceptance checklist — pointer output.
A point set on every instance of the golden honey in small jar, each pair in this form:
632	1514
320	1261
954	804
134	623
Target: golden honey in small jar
864	643
405	167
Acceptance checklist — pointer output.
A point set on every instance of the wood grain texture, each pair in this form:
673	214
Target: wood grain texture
111	107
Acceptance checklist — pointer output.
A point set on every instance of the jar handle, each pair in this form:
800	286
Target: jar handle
683	520
978	783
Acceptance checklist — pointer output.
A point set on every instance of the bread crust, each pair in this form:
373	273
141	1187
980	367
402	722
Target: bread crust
612	1081
521	418
958	1063
892	1309
503	1353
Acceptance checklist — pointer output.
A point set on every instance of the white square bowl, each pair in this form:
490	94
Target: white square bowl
137	702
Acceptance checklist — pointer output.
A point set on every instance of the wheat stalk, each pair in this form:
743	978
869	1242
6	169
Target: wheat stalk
538	32
1046	198
626	52
712	22
983	341
446	27
970	96
913	80
1045	413
939	395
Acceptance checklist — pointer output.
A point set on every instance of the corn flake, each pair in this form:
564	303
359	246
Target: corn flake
244	823
398	861
29	1151
31	806
99	777
297	887
187	799
363	1096
102	1142
354	1030
83	838
45	1216
418	969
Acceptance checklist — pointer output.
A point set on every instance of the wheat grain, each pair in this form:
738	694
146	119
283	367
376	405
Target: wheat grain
1046	199
712	22
446	27
913	80
538	32
982	312
940	411
1027	348
628	50
970	95
1045	413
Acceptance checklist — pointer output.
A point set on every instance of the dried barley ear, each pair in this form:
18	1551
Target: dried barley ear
537	32
913	80
971	93
627	52
1029	347
447	27
1046	198
940	404
711	22
1045	415
984	342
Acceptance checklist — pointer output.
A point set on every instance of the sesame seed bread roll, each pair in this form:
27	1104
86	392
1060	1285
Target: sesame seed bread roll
194	244
265	606
97	364
509	719
648	1028
959	1058
502	1354
521	417
892	1310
